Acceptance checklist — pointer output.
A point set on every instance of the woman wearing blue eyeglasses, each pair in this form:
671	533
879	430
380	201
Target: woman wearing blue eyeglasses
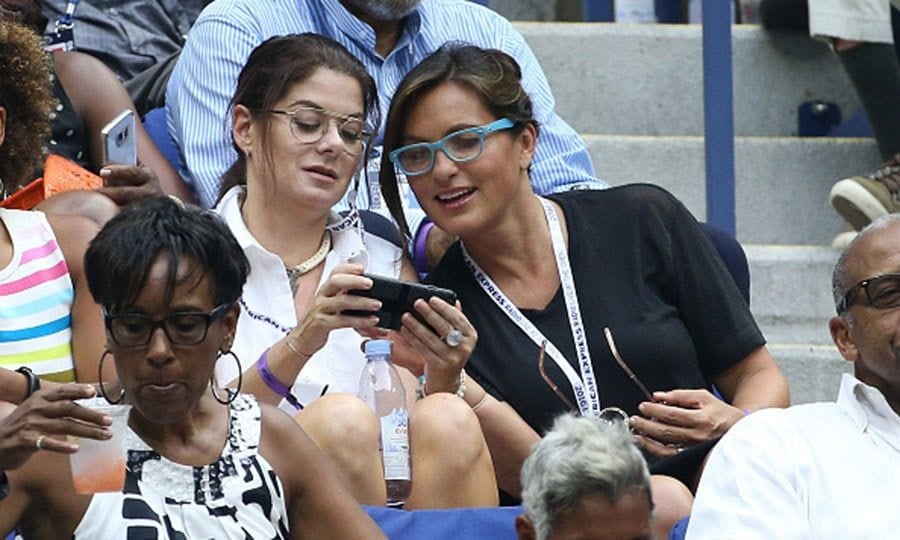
548	282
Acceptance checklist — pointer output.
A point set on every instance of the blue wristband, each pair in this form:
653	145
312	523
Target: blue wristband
262	367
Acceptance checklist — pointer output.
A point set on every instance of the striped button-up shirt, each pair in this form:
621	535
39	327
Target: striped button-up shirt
202	83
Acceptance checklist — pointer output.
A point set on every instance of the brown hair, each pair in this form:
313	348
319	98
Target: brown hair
492	74
274	67
26	96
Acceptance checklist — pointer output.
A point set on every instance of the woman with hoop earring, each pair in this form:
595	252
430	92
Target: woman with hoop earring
202	461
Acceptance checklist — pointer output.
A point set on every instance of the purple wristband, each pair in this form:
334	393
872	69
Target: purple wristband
420	250
262	367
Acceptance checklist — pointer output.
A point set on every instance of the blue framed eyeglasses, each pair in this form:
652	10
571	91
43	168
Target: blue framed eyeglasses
460	146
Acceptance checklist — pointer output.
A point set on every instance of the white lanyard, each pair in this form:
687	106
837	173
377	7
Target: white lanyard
585	387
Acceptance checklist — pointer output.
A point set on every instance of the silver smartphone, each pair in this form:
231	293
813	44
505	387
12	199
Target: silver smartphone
120	139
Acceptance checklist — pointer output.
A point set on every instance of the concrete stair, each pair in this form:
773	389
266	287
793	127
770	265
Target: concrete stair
781	183
635	93
647	79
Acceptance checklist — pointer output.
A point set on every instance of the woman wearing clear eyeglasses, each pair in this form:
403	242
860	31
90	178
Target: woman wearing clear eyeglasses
594	300
302	115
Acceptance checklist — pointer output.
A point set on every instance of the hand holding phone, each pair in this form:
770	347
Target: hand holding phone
120	139
397	297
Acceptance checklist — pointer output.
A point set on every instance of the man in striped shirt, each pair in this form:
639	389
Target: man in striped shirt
390	37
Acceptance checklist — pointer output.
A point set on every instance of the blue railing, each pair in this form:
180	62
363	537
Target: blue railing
718	114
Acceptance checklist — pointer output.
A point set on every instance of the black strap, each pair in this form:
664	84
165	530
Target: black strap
4	486
34	384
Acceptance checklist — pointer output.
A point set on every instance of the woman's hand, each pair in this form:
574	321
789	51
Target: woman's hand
326	312
443	362
681	418
44	420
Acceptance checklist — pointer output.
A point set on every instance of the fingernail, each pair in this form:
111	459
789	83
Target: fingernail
105	172
632	419
642	406
107	420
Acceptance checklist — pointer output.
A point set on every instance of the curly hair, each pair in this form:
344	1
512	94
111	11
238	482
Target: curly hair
26	95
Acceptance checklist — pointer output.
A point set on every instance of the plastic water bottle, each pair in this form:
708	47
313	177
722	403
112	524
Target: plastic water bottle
381	388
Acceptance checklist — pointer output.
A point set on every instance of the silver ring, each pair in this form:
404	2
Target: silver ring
453	338
38	441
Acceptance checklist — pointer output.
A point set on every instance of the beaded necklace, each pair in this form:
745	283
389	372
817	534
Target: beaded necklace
294	272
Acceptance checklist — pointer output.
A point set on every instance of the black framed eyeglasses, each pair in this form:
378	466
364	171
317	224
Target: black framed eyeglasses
310	124
186	328
460	146
882	292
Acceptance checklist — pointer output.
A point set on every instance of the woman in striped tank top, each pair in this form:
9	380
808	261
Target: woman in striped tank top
48	319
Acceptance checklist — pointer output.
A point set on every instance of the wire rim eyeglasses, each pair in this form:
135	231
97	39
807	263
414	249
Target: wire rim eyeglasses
607	414
882	292
460	146
185	328
310	124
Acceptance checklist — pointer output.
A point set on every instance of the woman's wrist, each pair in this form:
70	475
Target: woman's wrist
32	382
458	386
296	350
273	382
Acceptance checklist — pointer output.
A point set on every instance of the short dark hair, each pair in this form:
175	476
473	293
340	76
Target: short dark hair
492	74
281	62
119	258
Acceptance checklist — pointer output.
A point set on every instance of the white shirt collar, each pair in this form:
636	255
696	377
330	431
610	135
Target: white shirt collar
347	245
869	410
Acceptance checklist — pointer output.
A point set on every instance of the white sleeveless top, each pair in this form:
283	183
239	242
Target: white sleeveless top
236	497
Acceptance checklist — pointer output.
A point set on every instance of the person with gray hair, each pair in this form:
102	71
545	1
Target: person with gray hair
824	470
585	479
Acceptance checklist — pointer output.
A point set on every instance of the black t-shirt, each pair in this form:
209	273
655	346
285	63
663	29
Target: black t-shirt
643	267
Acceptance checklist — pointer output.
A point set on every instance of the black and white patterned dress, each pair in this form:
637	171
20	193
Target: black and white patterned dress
237	496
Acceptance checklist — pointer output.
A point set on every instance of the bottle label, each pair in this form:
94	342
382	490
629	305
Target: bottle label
395	445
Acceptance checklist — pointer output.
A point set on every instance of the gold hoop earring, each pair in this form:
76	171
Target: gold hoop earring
232	394
100	382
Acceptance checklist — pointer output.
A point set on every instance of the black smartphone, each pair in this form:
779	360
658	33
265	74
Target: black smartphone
397	298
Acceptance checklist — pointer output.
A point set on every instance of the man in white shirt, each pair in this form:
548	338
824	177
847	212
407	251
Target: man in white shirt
824	470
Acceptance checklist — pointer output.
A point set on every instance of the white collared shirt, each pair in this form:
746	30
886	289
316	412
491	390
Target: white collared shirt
267	306
822	470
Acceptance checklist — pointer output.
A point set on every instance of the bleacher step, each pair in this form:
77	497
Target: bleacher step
647	79
781	183
813	371
790	297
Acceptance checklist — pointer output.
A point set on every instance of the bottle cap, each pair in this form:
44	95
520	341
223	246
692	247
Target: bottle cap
378	346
